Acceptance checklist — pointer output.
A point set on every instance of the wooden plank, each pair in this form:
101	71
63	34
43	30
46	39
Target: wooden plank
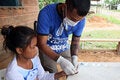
99	40
118	48
98	50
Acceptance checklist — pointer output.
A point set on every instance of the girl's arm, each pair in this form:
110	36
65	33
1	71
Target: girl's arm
59	74
44	75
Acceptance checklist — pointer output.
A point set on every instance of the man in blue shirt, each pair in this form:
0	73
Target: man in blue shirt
55	23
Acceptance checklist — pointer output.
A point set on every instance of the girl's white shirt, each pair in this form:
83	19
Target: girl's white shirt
14	72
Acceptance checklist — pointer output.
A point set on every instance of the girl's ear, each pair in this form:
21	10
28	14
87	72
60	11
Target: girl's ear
19	50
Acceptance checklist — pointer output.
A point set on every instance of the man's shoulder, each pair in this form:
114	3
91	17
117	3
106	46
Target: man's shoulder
50	6
82	21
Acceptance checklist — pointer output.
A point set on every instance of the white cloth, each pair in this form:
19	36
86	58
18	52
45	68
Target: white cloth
37	73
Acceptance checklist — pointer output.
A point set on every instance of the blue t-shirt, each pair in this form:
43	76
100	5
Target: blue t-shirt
50	23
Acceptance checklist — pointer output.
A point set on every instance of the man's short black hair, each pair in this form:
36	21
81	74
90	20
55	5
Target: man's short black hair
82	6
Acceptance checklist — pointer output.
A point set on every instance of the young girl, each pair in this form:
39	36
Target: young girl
26	65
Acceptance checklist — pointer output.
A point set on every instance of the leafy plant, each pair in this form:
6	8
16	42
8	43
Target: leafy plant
43	3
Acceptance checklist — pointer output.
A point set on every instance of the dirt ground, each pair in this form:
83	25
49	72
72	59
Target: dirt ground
99	56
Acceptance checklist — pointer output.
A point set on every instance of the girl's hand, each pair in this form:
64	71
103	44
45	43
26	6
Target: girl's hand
59	74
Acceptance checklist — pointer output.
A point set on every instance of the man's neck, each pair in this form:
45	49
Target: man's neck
61	10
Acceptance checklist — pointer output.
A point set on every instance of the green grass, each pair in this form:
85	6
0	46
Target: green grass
100	34
103	34
98	45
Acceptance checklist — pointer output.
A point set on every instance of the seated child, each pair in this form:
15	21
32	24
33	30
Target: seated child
26	65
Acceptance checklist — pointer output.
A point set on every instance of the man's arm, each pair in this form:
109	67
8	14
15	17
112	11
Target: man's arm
42	44
66	65
74	50
74	45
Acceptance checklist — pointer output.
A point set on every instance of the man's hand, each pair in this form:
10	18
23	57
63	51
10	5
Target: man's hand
67	66
75	61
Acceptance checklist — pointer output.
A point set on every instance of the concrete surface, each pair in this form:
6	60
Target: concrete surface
97	71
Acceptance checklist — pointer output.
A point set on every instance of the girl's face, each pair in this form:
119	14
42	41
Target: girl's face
31	50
